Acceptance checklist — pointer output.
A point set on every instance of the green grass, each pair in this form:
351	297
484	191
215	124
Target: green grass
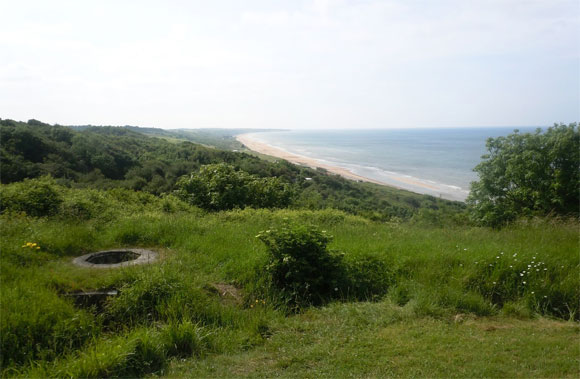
383	340
166	321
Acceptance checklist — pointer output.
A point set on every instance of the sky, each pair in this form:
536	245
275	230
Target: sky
319	64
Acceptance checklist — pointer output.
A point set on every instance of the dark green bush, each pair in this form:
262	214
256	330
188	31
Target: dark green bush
300	267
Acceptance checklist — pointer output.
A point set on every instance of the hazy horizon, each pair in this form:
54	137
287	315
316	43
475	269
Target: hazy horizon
320	64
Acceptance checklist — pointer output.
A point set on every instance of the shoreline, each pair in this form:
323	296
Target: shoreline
266	149
263	148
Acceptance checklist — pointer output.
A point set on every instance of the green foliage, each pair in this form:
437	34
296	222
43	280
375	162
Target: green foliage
300	266
132	158
34	197
221	187
528	174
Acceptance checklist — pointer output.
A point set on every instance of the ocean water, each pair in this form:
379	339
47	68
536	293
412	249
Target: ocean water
437	162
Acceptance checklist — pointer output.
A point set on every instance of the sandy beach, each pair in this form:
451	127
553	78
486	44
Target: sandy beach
395	181
263	148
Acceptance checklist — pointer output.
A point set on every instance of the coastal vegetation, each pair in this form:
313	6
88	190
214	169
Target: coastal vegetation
265	273
528	174
120	157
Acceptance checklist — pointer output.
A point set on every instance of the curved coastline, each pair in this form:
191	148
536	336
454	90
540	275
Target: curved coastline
396	181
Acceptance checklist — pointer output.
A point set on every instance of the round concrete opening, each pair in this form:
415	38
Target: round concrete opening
116	258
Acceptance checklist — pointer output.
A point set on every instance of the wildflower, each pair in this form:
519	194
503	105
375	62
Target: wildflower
465	249
251	305
529	266
521	274
545	297
493	282
537	269
511	266
490	264
524	282
533	257
501	253
515	254
533	292
256	301
37	247
461	265
497	257
475	262
545	269
335	288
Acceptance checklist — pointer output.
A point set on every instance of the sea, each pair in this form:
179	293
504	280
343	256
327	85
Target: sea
438	162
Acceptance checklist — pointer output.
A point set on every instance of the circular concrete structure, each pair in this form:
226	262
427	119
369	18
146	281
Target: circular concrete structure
116	258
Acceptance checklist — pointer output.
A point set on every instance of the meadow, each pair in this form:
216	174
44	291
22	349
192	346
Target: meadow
417	299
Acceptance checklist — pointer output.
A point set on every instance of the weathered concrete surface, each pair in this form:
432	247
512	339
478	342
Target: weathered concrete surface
116	258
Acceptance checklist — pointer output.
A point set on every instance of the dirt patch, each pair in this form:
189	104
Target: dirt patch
227	292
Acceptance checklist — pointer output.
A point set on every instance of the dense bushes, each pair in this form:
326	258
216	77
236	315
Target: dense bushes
33	197
220	186
45	197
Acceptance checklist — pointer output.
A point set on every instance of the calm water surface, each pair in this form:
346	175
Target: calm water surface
438	162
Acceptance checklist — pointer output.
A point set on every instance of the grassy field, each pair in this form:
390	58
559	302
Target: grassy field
459	301
384	340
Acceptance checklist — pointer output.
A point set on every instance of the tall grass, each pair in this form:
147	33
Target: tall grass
164	311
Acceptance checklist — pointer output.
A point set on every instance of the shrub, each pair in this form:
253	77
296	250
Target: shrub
220	186
35	197
300	267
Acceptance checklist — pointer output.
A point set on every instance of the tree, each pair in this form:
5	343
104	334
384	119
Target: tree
528	174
